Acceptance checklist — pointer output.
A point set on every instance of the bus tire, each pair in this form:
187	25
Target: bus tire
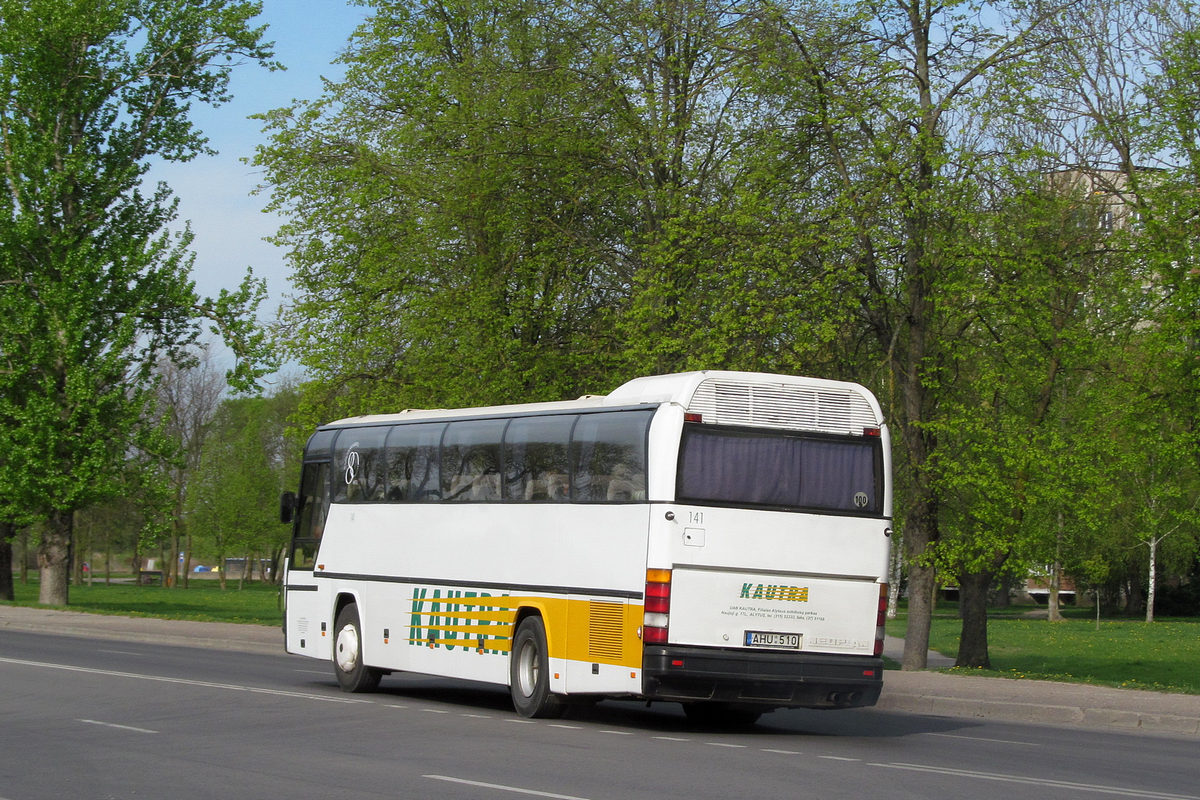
529	672
352	674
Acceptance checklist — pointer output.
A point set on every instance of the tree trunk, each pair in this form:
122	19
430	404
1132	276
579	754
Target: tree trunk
1150	582
920	612
972	605
1055	614
1135	597
1055	610
893	585
171	574
1004	594
24	537
187	559
54	559
920	531
6	561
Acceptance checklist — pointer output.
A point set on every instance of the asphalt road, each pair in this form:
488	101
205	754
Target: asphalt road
84	718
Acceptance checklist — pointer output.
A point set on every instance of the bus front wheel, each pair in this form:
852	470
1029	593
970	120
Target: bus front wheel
352	673
529	672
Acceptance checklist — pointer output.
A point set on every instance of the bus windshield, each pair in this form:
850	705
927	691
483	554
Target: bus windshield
772	469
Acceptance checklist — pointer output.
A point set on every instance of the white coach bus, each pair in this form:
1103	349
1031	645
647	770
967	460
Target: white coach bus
718	539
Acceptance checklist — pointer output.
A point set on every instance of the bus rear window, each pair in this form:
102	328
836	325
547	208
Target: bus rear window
768	469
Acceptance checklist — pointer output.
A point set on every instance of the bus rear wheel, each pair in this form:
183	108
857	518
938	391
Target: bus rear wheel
529	672
352	674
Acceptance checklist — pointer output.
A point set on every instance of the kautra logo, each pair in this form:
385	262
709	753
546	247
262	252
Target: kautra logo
445	621
760	591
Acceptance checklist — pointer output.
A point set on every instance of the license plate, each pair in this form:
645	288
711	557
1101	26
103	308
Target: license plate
777	641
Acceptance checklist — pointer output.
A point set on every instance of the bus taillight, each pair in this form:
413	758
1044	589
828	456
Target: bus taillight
657	606
881	619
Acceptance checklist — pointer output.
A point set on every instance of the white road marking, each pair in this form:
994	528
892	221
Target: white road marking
503	788
982	739
114	725
1031	781
232	687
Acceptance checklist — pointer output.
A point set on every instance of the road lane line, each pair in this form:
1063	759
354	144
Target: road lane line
115	725
982	739
1031	781
502	788
232	687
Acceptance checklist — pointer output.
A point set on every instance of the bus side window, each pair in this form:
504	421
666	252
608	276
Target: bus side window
412	463
535	458
471	461
312	509
362	474
608	457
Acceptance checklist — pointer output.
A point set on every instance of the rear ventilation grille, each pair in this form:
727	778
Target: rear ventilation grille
822	410
605	622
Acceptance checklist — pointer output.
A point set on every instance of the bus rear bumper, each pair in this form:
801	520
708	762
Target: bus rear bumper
778	680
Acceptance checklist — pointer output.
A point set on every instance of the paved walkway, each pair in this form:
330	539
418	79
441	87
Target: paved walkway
923	692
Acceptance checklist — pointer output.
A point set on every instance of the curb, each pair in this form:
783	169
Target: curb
1038	713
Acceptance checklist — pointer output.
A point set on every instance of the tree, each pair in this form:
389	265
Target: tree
93	288
901	95
1055	311
186	399
464	246
248	459
7	529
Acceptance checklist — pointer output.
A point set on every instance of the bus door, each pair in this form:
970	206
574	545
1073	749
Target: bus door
306	610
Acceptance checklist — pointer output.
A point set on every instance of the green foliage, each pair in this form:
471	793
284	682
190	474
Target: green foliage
248	459
93	289
525	200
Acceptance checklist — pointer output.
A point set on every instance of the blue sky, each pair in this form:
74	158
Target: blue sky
215	192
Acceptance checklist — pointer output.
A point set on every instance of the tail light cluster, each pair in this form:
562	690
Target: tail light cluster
657	609
881	619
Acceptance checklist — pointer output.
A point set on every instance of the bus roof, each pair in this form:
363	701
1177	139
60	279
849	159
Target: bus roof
746	398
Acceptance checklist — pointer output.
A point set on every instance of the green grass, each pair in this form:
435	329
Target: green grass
203	600
1162	656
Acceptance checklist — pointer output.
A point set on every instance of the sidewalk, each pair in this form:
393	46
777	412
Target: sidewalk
182	633
1066	704
926	692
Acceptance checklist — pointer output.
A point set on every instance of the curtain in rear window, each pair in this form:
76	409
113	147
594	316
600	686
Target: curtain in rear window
769	469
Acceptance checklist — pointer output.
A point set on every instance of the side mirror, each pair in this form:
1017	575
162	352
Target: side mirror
287	507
